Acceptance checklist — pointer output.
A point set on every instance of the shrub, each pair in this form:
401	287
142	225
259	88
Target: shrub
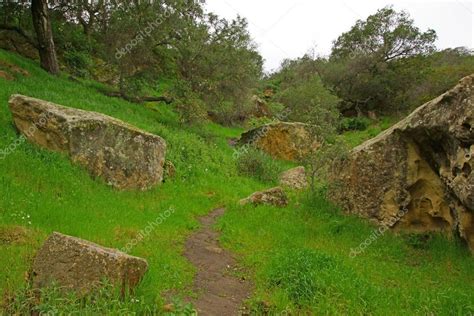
418	241
354	124
255	122
78	62
258	165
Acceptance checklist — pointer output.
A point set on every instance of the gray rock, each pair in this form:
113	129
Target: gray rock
417	176
275	196
124	156
81	266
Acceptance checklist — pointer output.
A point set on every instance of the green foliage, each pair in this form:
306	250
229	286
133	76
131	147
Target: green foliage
304	96
59	196
144	42
418	241
385	35
255	122
320	165
78	63
256	164
388	65
354	124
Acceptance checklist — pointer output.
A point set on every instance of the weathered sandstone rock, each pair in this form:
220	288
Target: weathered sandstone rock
421	166
288	141
294	179
275	196
124	156
81	266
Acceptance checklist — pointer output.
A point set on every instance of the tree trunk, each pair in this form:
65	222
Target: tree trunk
42	24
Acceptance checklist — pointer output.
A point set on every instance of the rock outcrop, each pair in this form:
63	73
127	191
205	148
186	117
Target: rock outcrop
81	266
124	156
287	141
294	179
421	168
275	196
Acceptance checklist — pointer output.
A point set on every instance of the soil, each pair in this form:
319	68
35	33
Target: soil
219	290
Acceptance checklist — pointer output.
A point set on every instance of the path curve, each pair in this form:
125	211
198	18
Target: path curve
219	291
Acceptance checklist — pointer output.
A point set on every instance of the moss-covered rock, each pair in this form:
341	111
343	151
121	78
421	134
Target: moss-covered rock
124	156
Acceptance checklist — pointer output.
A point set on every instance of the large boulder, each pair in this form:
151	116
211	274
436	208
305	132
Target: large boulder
124	156
275	196
287	141
417	176
294	178
81	266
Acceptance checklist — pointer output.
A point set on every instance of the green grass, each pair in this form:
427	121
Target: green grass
47	190
307	243
355	138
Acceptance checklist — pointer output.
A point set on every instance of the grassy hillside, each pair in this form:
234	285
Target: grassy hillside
298	257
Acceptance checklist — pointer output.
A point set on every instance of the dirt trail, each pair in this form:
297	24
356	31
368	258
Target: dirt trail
219	291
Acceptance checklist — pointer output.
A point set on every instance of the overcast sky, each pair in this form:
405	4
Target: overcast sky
290	28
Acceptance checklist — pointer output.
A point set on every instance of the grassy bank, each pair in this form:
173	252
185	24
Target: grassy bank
299	257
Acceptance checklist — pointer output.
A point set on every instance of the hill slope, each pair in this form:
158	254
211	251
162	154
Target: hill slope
299	257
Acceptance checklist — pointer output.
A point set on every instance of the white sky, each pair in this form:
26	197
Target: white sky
290	28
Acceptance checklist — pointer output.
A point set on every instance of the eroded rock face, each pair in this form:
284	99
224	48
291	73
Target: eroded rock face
81	266
294	179
287	141
275	196
124	156
421	166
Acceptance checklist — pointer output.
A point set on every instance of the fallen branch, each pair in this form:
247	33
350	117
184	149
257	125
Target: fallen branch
121	95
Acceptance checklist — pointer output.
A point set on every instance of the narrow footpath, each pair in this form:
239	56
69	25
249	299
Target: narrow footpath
219	291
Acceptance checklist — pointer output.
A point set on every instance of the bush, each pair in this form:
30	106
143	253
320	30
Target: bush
258	165
354	124
78	63
255	122
191	110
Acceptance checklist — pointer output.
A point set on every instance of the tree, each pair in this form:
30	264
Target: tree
44	34
385	36
306	99
365	62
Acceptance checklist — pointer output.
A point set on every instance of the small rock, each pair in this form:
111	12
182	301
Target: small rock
81	266
214	249
275	196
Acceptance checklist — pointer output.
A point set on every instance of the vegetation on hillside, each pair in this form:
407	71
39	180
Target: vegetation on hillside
195	79
43	192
